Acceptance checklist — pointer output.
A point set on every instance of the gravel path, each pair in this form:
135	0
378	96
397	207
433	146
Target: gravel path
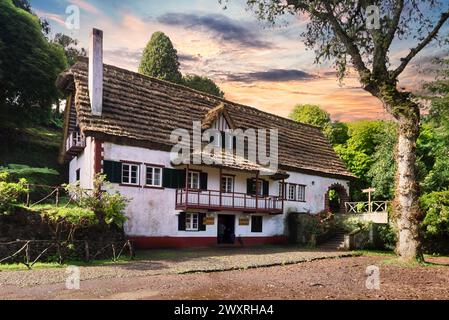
163	262
319	279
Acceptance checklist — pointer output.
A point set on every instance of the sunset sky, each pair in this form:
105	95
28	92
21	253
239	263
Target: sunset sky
254	64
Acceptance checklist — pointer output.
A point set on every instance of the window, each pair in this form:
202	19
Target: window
301	193
130	173
154	177
292	192
191	221
227	184
259	187
256	224
194	180
281	194
78	175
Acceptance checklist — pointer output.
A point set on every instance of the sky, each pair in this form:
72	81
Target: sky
253	63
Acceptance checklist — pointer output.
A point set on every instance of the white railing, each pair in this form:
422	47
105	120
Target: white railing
75	139
366	207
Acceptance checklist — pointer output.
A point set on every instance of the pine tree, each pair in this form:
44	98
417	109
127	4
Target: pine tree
160	59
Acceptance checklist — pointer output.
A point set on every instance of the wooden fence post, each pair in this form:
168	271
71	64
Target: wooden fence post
86	251
130	247
28	196
57	196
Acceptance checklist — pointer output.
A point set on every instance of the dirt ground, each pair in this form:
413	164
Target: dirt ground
341	278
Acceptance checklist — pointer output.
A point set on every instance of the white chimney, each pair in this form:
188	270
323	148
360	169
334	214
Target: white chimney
96	71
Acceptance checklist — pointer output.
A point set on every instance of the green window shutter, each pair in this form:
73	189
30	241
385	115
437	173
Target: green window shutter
265	188
203	180
182	221
180	178
173	178
249	186
167	178
256	224
113	171
201	225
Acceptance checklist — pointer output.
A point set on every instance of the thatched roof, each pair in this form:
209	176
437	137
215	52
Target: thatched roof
143	111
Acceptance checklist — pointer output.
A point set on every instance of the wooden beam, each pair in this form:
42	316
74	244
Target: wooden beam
187	186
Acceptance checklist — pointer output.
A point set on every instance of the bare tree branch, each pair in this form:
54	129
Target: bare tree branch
349	44
414	51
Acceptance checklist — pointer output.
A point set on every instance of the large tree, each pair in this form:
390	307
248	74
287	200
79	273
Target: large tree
29	64
203	84
160	59
345	32
310	114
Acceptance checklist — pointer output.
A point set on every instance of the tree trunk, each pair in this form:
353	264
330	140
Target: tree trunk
407	210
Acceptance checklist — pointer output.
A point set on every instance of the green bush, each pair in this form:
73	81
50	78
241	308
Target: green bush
351	224
73	215
108	206
436	206
10	192
387	235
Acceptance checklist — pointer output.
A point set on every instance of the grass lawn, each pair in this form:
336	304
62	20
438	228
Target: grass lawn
51	265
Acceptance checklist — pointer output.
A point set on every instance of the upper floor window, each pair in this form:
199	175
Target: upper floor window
227	184
301	192
292	192
193	180
130	173
154	176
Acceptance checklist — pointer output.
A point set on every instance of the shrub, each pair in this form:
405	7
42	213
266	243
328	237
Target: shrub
352	224
387	235
435	226
436	206
108	206
10	192
67	220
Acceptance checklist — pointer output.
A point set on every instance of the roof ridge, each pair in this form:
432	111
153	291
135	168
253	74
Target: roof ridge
177	85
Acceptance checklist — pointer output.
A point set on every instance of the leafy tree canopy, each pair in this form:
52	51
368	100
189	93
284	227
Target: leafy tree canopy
310	114
202	84
70	47
29	64
160	59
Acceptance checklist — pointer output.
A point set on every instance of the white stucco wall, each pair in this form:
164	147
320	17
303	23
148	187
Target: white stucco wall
85	162
151	212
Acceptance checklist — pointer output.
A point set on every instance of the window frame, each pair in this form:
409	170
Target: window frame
289	193
224	187
153	169
78	174
300	192
261	224
131	165
254	187
190	179
301	196
190	217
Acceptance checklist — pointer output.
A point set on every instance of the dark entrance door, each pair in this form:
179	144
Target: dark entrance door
226	229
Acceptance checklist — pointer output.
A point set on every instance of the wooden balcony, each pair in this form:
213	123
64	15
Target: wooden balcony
220	201
75	143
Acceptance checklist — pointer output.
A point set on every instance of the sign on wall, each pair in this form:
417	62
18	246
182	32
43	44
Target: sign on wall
244	221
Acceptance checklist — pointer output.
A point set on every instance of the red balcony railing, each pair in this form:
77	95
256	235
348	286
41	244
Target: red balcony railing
234	201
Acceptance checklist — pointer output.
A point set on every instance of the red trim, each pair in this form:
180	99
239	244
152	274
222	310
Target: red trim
186	242
130	162
98	149
154	165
